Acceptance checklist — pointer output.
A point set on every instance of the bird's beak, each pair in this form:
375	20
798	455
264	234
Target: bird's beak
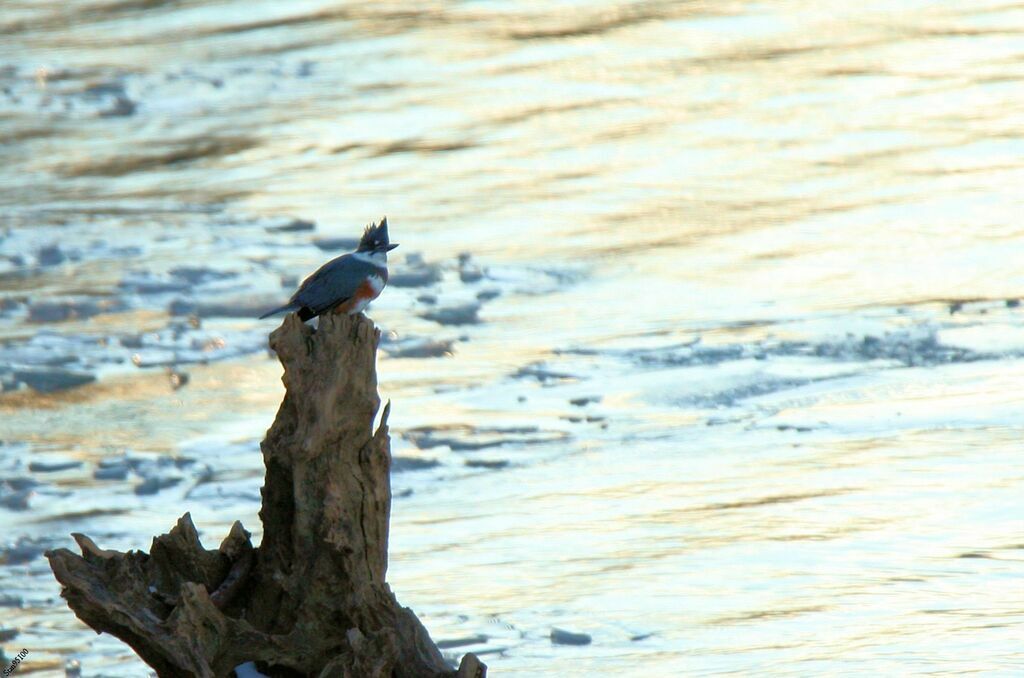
391	247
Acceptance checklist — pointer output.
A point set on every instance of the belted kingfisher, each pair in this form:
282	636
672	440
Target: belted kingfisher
348	283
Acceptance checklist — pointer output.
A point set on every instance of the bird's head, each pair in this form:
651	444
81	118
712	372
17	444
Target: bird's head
375	238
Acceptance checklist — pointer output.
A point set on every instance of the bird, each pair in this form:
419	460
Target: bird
347	283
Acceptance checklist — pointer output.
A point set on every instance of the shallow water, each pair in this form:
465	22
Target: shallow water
729	382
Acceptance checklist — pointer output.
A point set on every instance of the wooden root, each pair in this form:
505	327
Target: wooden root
312	599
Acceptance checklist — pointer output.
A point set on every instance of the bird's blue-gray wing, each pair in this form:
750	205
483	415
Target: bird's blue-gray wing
333	283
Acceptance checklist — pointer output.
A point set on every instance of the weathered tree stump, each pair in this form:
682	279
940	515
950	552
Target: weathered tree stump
312	599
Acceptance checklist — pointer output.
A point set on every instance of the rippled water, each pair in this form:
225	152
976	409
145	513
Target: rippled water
730	381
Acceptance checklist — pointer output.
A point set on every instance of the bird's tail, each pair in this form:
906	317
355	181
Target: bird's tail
281	309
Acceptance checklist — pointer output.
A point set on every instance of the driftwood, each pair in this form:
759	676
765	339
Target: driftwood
312	599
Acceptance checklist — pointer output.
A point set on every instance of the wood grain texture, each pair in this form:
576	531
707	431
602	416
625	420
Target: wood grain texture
312	599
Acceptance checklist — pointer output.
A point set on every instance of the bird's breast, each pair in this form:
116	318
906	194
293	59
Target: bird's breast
375	284
369	290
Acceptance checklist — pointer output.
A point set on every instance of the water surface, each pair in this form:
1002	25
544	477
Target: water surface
729	381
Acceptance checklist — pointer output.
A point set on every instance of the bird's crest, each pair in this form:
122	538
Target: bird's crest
375	237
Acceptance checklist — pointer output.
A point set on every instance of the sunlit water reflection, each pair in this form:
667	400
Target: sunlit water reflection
742	391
